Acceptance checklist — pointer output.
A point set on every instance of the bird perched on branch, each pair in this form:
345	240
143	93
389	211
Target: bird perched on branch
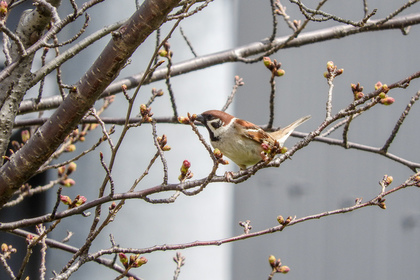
244	142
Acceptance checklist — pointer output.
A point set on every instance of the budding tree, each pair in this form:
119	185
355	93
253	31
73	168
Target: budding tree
76	114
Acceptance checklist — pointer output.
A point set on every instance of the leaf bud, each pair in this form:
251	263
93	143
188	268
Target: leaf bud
65	199
112	206
25	135
79	200
283	269
166	148
139	261
71	167
382	95
272	260
183	120
267	61
217	153
387	101
163	53
280	72
388	179
3	9
4	247
123	259
70	148
61	170
358	95
68	182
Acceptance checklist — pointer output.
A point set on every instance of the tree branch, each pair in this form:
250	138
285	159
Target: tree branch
232	55
105	69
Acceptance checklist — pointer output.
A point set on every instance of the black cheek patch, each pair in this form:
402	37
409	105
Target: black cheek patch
216	125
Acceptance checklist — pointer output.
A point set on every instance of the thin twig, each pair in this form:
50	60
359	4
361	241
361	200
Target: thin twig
15	38
274	21
238	82
396	12
346	131
6	50
108	173
281	10
74	38
57	202
187	41
180	261
6	266
104	131
161	155
329	99
400	121
271	103
311	13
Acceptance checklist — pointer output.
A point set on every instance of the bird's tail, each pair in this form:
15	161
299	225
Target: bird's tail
282	134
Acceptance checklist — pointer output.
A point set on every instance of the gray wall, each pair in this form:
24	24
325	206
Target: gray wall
367	244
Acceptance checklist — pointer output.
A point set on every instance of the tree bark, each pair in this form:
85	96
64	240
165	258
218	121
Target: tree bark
105	69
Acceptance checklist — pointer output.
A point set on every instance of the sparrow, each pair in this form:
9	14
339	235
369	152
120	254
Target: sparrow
244	142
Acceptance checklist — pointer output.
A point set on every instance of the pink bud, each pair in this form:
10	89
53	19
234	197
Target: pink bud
80	199
186	164
283	269
65	199
123	259
378	85
139	262
387	101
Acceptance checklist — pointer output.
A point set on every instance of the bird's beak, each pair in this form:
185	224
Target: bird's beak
200	118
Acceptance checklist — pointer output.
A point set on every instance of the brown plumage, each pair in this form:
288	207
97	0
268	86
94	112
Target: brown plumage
240	140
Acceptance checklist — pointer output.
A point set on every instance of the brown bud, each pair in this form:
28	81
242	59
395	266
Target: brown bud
112	206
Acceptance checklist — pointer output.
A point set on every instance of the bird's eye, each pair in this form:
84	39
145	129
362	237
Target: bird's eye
216	124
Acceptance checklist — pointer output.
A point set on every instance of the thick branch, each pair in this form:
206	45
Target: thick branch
12	89
104	70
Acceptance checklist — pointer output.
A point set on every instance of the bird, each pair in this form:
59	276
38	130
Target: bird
243	142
